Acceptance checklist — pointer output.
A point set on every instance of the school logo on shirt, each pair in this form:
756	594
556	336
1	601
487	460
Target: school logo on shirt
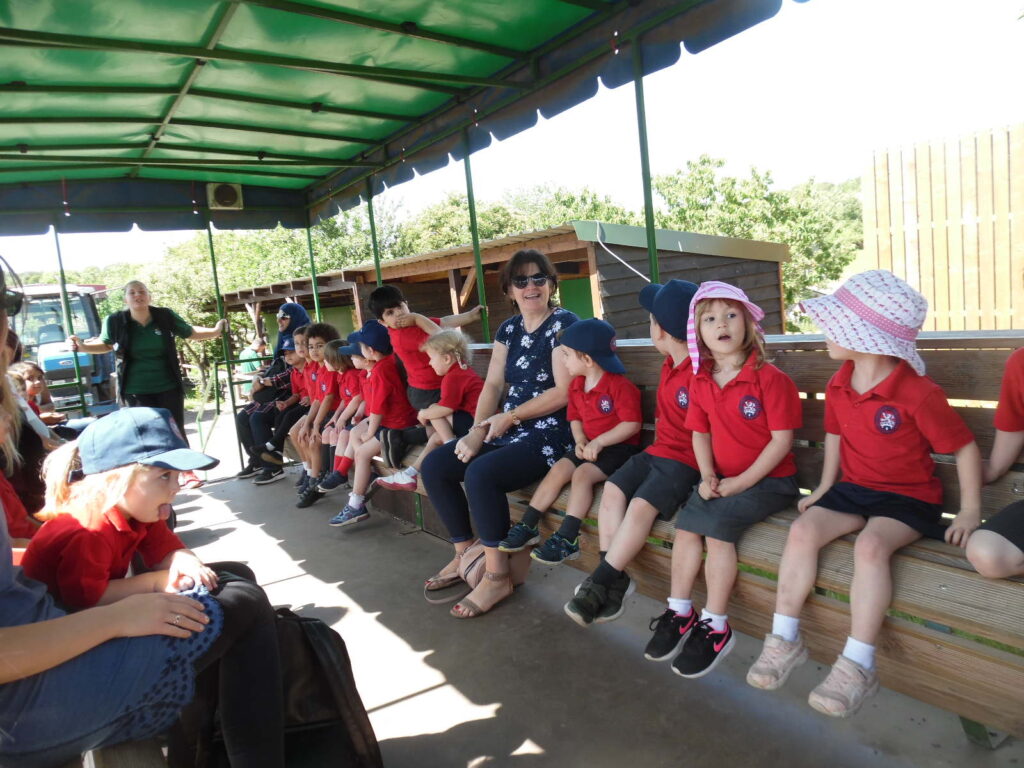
683	397
750	407
323	387
348	392
313	376
887	419
605	404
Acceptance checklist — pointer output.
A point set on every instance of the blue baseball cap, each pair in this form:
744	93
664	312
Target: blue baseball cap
670	304
138	436
595	338
374	335
352	348
288	345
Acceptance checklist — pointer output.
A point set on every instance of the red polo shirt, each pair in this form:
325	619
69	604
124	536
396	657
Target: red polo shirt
672	439
1010	411
298	382
387	396
19	526
742	415
406	343
348	385
887	435
310	375
460	389
325	383
613	400
77	560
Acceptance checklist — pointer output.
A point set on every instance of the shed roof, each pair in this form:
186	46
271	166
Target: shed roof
118	111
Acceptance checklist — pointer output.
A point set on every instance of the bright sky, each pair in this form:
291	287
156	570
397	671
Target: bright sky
809	93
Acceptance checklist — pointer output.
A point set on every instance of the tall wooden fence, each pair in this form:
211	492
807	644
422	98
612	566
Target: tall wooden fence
948	217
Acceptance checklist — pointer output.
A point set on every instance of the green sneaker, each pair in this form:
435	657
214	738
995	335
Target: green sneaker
586	605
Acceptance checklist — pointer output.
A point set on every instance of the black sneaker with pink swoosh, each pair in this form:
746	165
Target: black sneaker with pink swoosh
703	650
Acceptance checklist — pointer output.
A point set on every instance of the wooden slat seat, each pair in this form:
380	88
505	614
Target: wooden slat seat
929	647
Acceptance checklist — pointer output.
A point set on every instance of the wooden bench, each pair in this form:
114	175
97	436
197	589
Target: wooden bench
929	647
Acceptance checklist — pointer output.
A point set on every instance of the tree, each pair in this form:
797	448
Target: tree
820	222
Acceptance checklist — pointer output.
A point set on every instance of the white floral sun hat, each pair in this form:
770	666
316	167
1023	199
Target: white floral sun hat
873	312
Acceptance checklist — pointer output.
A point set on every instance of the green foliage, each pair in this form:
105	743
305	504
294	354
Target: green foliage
820	222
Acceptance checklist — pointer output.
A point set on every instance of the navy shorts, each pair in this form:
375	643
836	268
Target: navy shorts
726	518
462	422
1008	523
609	459
867	502
422	398
662	483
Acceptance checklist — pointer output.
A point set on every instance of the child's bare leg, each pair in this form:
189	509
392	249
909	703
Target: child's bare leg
632	533
581	491
799	567
433	441
871	590
443	428
687	556
364	458
994	556
552	484
315	458
610	514
720	575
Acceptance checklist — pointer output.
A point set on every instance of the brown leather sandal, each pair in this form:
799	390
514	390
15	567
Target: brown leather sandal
467	609
445	578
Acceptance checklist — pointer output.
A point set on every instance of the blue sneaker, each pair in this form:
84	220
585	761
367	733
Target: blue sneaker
303	477
556	550
333	482
349	515
519	538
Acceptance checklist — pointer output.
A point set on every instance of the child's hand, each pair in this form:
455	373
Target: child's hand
809	501
421	418
304	401
580	447
279	405
187	570
592	450
731	486
156	613
406	320
708	488
960	530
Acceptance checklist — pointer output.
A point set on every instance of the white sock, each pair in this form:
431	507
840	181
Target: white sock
862	653
411	472
718	620
786	627
680	606
305	466
270	446
355	500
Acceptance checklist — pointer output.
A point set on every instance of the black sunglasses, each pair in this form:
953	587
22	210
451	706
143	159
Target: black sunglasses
521	281
12	302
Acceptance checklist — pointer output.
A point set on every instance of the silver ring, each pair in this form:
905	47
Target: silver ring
177	618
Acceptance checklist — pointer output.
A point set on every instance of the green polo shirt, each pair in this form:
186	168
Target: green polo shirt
146	372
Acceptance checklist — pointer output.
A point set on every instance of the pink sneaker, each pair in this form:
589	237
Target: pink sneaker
778	659
845	689
189	480
400	481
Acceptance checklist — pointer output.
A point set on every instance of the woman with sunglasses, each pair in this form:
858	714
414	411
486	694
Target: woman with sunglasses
148	372
511	445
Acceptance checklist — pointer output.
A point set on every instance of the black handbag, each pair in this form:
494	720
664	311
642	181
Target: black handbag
325	721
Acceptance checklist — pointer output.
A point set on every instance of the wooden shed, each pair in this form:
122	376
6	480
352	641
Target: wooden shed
601	269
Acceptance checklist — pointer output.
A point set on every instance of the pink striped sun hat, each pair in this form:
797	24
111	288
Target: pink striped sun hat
873	312
715	289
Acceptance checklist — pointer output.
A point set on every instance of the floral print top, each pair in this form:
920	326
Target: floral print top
528	373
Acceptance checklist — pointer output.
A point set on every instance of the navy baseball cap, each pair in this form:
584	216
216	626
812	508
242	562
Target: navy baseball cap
138	436
374	335
595	338
352	348
288	345
670	304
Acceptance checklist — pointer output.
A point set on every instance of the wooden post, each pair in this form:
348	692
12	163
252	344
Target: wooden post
596	301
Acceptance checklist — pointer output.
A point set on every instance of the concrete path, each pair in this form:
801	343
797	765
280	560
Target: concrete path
524	685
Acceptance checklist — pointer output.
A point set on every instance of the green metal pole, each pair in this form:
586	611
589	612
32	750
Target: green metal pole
474	233
68	324
223	340
312	269
373	229
645	160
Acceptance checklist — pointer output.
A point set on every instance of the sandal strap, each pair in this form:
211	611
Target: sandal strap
497	576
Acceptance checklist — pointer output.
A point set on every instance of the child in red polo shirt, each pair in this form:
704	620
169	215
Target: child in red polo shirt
307	433
97	523
452	415
652	484
996	549
407	331
743	411
604	415
883	419
349	389
386	409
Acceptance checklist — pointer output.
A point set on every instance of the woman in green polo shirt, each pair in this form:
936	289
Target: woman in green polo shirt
142	338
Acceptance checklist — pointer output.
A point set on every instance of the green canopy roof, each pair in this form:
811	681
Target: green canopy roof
120	111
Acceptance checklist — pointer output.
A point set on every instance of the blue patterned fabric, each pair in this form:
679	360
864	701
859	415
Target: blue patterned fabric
528	373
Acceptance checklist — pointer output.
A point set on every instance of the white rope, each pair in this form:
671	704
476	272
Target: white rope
615	256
